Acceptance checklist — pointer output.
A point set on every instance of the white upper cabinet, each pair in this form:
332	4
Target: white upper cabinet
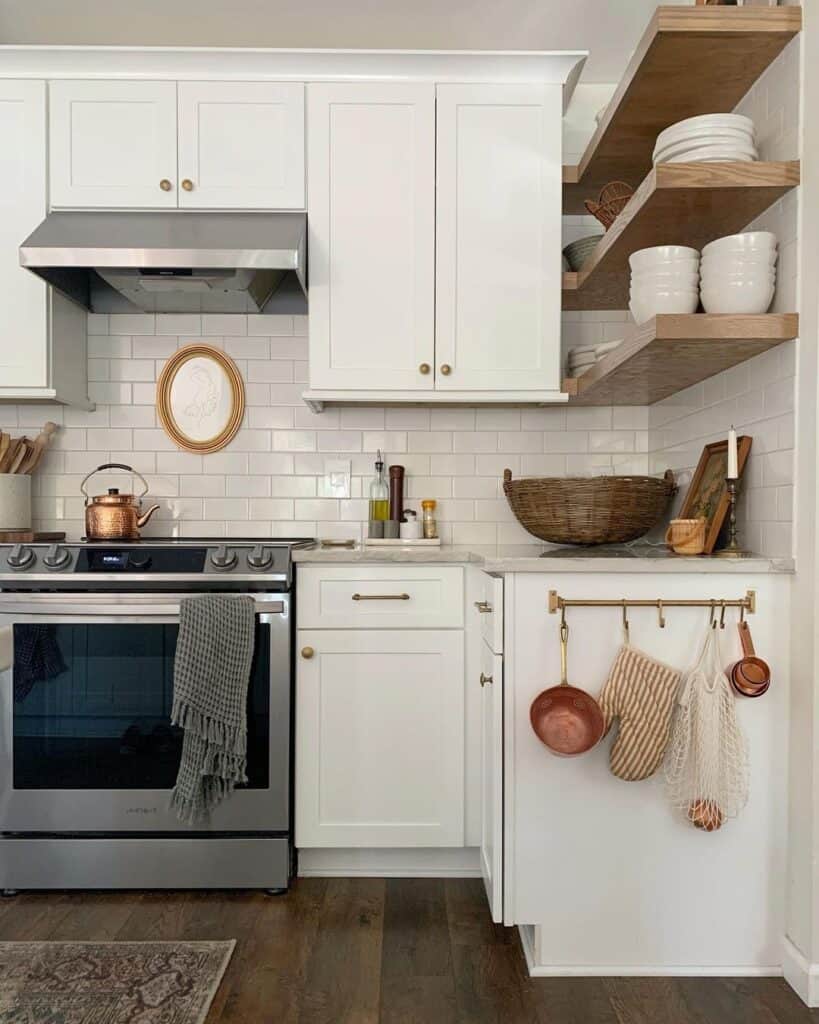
498	224
23	297
371	203
241	145
113	144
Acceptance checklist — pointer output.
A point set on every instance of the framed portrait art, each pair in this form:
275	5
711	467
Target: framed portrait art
200	398
707	497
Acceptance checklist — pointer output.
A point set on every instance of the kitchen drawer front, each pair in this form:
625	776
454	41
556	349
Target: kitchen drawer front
373	597
490	608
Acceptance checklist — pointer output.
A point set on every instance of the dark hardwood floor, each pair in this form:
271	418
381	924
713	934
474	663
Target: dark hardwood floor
394	951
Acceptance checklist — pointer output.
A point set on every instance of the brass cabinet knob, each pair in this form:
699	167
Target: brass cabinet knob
485	679
307	652
446	369
187	184
165	185
424	368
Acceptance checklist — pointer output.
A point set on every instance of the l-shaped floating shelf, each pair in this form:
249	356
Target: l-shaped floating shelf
674	351
690	60
685	204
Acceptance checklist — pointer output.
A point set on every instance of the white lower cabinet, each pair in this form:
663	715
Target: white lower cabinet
491	682
380	738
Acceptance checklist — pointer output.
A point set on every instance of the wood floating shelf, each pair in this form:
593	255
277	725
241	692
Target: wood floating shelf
674	351
690	60
677	204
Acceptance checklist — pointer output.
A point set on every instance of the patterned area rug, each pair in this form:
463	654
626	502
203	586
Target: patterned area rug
110	982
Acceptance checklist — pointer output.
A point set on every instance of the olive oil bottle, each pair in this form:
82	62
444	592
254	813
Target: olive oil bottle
379	492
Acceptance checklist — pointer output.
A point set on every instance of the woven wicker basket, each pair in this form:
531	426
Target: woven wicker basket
611	202
588	510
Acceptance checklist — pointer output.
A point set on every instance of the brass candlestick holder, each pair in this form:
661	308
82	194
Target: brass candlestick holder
732	548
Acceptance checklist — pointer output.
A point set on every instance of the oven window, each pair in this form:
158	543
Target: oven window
92	707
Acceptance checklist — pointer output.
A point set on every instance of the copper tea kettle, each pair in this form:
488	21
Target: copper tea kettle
115	516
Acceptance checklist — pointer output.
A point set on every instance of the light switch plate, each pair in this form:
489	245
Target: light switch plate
336	480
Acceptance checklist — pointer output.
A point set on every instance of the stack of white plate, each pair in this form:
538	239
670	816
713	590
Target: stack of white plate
706	139
580	359
664	279
739	273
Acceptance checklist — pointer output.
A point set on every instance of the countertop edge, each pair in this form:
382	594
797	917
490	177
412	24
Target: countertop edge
501	562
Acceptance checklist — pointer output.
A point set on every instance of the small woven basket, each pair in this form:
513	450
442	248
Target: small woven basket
588	510
610	203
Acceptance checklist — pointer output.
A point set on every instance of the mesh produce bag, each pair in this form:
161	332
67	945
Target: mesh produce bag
706	763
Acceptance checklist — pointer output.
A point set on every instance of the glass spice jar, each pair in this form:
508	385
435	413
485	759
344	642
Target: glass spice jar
430	524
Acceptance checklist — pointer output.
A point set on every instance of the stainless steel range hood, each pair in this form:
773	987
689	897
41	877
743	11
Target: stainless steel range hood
180	262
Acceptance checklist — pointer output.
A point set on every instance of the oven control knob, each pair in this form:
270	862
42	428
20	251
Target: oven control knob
223	558
260	557
20	557
57	557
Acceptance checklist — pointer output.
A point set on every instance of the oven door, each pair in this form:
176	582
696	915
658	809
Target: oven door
87	744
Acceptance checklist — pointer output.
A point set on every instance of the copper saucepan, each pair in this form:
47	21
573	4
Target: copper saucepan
566	719
750	676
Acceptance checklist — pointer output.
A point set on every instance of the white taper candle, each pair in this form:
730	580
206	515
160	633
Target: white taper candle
733	467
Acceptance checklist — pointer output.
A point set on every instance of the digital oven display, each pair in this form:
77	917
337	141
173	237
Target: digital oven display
116	560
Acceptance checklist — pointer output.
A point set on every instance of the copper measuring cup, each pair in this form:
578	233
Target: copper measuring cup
565	718
750	676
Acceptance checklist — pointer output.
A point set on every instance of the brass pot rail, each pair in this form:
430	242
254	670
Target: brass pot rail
747	603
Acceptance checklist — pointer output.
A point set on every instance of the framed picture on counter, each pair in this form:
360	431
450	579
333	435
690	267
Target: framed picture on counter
707	496
200	398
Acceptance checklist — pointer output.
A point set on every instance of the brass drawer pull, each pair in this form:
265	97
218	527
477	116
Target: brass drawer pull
307	652
381	597
483	607
485	679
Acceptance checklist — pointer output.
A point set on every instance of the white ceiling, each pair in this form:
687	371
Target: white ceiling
610	30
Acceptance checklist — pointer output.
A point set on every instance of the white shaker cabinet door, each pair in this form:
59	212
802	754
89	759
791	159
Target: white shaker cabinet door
113	144
23	296
380	738
498	268
371	202
241	145
491	682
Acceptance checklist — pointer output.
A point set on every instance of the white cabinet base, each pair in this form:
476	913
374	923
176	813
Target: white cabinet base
455	862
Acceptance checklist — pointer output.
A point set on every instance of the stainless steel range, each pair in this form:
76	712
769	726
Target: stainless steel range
88	757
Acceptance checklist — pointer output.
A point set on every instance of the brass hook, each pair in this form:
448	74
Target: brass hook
742	613
625	620
722	616
660	615
563	623
712	621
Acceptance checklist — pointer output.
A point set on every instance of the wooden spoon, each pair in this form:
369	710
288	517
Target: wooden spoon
5	441
20	455
38	447
11	454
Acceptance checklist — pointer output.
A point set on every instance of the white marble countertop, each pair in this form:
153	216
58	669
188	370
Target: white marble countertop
536	558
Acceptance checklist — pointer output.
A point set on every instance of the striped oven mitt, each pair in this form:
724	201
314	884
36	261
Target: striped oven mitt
640	692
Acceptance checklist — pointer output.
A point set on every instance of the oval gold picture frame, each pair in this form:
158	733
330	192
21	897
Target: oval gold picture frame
164	399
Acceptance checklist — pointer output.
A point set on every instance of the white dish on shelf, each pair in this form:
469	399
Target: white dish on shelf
748	241
644	259
645	304
705	124
739	261
744	145
737	297
696	136
665	278
712	155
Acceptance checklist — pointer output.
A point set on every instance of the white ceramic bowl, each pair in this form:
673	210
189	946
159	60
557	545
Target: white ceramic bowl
657	254
738	260
750	241
738	297
644	303
678	268
665	284
705	123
